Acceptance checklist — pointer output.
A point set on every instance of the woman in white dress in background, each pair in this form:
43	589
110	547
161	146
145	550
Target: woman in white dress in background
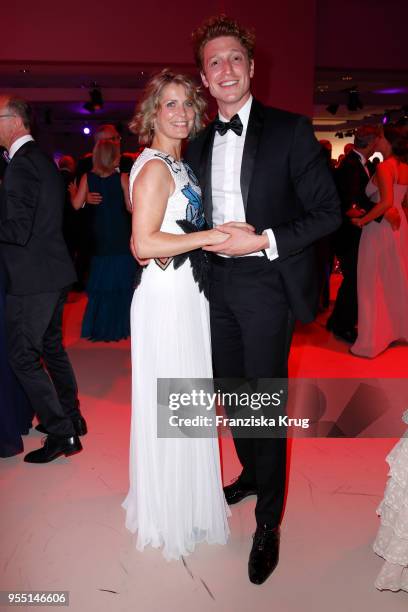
392	539
382	271
175	498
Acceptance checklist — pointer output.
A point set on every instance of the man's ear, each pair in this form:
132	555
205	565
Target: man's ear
204	80
251	68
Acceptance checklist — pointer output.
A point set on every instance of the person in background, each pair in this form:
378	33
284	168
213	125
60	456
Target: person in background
112	270
382	271
106	131
70	226
39	273
351	180
391	542
16	413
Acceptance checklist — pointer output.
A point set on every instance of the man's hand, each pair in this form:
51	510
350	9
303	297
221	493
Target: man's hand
240	242
94	197
238	224
354	212
393	217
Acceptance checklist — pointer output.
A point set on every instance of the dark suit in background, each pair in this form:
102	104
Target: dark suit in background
351	181
39	271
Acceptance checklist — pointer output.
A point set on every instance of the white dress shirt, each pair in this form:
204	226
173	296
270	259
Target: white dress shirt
226	164
19	143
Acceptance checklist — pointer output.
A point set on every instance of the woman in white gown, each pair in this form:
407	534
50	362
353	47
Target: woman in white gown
392	539
175	498
382	270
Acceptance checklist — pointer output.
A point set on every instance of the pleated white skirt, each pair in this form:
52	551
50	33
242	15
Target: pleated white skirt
175	499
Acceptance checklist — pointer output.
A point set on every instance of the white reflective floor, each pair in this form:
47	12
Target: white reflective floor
62	525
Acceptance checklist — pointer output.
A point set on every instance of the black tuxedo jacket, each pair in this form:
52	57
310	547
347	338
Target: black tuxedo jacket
351	181
287	186
32	199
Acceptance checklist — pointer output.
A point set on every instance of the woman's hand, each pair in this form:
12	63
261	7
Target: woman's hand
94	197
214	237
358	221
238	224
73	188
393	217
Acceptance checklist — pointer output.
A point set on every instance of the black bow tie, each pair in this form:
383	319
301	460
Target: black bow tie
235	125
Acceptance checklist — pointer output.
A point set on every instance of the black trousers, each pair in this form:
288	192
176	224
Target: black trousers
345	312
251	331
34	339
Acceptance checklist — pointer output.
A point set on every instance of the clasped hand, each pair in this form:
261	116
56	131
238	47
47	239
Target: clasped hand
241	240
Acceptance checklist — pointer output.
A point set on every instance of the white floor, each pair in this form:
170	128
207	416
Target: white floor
62	525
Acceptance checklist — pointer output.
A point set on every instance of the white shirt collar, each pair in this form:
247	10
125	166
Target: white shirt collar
19	143
243	113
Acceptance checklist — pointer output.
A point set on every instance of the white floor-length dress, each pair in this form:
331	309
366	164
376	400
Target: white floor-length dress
392	538
175	499
382	280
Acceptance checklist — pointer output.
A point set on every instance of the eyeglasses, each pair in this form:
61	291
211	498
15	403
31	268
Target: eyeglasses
1	116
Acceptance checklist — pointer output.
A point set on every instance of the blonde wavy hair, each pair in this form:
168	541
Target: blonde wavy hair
105	156
148	107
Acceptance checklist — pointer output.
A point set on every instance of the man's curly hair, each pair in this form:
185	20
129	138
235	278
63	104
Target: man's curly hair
221	25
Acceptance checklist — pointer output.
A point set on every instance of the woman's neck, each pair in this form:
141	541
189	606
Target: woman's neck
170	147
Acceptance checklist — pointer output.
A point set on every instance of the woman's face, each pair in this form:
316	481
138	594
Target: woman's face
383	146
175	117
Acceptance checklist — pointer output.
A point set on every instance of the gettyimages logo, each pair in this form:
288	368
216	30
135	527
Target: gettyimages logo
274	408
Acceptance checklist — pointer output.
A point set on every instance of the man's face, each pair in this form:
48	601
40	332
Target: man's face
227	73
7	124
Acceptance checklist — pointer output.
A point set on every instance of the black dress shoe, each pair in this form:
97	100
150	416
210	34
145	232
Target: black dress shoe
79	424
264	555
54	447
235	492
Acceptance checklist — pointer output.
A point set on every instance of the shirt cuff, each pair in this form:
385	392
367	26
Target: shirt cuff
272	251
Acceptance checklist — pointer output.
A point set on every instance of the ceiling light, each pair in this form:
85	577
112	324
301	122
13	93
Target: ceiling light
95	102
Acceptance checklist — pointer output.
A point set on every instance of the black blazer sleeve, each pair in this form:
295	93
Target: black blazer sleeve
20	199
314	190
350	187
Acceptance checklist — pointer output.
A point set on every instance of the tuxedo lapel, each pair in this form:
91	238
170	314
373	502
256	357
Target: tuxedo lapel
205	173
253	134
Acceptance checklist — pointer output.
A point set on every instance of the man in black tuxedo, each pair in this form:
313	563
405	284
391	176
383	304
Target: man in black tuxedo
262	166
39	271
351	179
